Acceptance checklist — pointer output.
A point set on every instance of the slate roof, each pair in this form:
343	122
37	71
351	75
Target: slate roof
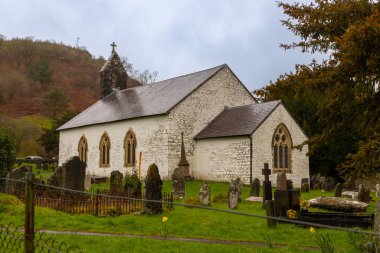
238	121
147	100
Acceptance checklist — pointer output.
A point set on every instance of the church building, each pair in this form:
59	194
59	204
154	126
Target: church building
209	115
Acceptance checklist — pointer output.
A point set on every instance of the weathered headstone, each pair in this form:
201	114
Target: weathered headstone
38	164
376	222
338	190
14	187
364	194
329	184
116	183
239	186
255	188
233	195
305	187
45	166
267	185
377	190
73	174
204	195
56	179
153	191
178	184
281	182
87	181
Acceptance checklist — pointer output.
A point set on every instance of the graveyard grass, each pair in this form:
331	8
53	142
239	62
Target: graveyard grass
183	222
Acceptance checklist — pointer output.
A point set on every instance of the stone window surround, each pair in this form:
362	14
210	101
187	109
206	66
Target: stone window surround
104	151
83	148
284	143
130	138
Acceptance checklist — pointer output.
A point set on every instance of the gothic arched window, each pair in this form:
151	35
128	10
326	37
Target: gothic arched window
82	149
282	149
130	144
104	151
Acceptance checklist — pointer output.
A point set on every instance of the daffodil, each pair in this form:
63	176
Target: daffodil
312	230
164	219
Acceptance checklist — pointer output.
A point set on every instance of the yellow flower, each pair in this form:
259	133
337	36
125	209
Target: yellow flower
164	219
312	230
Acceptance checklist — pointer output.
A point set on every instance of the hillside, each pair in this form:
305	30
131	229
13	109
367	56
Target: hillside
29	69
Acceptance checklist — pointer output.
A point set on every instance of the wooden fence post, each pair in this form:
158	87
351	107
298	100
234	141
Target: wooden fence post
29	213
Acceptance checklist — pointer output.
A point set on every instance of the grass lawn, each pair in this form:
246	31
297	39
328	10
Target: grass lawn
183	222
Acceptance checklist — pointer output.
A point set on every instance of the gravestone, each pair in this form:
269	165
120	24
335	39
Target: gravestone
73	174
153	191
183	164
364	194
281	184
239	186
178	184
116	183
132	185
305	187
204	194
376	222
289	185
38	164
338	190
329	184
56	179
87	181
45	166
267	185
377	190
233	195
14	187
255	188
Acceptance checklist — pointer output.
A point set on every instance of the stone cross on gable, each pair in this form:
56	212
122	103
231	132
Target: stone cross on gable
113	45
266	172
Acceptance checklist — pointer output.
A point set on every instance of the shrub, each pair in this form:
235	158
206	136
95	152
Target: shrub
7	152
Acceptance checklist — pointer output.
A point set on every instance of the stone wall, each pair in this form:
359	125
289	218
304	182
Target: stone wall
262	147
222	159
199	109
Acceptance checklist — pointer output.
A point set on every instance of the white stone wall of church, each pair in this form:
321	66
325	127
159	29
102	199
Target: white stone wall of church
222	159
262	147
198	109
152	141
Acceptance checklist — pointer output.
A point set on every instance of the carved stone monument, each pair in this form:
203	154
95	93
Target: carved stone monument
116	183
183	164
204	195
364	194
153	191
178	184
281	184
267	185
255	188
233	195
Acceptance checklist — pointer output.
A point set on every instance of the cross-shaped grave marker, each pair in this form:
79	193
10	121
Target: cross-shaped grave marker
267	185
266	172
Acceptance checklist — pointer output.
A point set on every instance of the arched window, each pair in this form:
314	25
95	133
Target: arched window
104	151
82	149
282	149
130	144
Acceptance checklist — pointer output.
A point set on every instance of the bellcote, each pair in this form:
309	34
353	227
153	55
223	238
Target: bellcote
113	75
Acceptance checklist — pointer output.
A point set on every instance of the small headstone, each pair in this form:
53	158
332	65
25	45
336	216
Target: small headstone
178	184
14	187
204	195
38	164
377	190
238	185
289	185
376	222
281	182
73	174
233	195
87	181
255	188
45	166
153	191
116	183
338	190
364	194
305	187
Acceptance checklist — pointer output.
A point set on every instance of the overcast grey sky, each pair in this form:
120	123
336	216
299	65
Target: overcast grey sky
173	37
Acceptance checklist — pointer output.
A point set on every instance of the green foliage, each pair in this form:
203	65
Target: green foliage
40	72
50	138
132	185
335	101
7	152
325	242
55	103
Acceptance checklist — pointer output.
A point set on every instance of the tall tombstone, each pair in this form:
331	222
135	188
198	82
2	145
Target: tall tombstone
281	184
56	179
289	184
239	186
267	185
338	190
87	181
116	183
178	184
233	195
364	194
204	194
153	191
255	188
282	197
305	187
14	187
73	174
183	164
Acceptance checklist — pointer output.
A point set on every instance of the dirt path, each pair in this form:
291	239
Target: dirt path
180	239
